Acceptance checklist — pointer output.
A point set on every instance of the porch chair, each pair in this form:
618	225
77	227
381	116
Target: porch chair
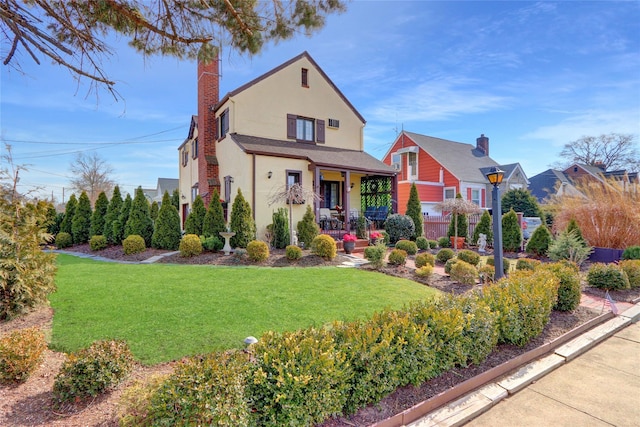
324	217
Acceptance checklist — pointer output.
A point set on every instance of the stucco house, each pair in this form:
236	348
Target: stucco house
289	125
441	168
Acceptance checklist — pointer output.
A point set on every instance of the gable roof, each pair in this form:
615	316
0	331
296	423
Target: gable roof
544	184
193	131
464	161
306	55
319	155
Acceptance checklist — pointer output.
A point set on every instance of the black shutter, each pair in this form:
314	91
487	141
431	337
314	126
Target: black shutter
291	126
218	128
320	130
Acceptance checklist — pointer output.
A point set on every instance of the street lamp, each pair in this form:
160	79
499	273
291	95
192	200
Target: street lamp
495	176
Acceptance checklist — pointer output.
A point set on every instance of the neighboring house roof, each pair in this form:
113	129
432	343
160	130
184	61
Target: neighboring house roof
509	170
319	155
167	184
306	55
544	184
464	161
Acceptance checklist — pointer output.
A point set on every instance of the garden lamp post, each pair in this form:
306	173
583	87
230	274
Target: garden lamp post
495	178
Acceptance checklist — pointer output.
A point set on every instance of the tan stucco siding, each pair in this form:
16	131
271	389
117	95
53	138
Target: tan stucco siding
188	177
261	110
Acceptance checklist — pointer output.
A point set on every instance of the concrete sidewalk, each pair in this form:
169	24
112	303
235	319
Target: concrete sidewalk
593	380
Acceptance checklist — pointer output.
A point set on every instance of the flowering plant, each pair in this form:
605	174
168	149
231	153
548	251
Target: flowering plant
375	235
349	238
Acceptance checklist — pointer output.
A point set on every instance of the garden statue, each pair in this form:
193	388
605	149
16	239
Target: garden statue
294	239
482	242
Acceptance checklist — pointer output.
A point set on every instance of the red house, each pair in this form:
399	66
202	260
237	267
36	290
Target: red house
441	169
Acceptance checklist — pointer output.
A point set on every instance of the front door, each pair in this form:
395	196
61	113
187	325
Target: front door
330	194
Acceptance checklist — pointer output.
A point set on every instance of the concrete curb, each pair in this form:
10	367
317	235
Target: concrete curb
473	404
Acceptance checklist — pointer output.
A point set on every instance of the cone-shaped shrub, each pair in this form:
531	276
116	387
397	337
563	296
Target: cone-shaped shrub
511	232
539	242
99	215
113	212
484	227
153	210
166	233
139	221
175	199
81	225
280	229
119	224
69	212
308	229
214	222
195	219
241	222
414	211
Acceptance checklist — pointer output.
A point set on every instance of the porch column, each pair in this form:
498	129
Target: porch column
346	198
394	194
316	190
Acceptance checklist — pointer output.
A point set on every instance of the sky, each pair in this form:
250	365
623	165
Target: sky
532	76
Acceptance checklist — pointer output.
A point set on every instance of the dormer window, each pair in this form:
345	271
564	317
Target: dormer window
305	77
223	124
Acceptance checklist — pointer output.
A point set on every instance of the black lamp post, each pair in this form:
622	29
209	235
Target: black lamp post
495	178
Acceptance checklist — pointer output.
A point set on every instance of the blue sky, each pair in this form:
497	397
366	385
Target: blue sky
531	76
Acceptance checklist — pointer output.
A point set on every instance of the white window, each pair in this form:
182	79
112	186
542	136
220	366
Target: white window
475	197
396	161
450	193
413	165
304	129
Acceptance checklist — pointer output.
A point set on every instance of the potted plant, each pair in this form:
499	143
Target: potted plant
375	237
349	243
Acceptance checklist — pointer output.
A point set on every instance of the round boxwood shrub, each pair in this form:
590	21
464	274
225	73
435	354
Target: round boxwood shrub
411	248
505	264
569	291
257	251
425	259
607	276
539	242
63	240
464	273
433	244
375	254
399	227
632	268
422	243
211	243
424	271
527	264
190	245
98	242
397	257
324	246
133	244
444	242
293	252
449	264
469	257
631	252
445	255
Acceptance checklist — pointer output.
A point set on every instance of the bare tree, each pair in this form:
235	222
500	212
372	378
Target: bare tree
613	151
293	194
71	32
92	175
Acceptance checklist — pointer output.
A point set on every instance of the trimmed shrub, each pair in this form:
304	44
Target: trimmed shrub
399	227
433	244
361	227
573	227
241	222
506	264
449	264
195	220
375	254
631	252
93	370
511	232
113	211
293	252
414	211
211	244
119	224
166	231
280	229
469	256
139	221
463	225
81	223
307	228
425	259
190	245
298	378
424	271
522	303
213	222
257	251
99	215
153	210
484	227
63	240
397	257
539	242
445	255
607	276
20	354
464	273
527	264
487	274
422	243
202	390
324	246
569	291
569	246
69	212
408	246
444	242
133	244
632	268
97	243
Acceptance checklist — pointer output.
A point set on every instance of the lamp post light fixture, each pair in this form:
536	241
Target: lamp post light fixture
495	176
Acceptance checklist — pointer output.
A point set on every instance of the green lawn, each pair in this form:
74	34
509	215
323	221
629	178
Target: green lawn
166	311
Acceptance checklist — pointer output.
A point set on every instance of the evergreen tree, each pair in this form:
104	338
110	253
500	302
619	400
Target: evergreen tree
123	217
280	228
521	200
414	211
484	227
81	224
99	216
539	242
241	222
214	222
574	228
511	232
54	219
166	234
175	199
193	223
69	212
113	212
308	229
139	221
153	210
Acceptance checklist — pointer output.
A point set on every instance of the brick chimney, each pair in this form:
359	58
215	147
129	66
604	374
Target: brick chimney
482	144
208	97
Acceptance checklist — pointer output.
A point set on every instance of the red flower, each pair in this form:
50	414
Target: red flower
375	235
349	238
